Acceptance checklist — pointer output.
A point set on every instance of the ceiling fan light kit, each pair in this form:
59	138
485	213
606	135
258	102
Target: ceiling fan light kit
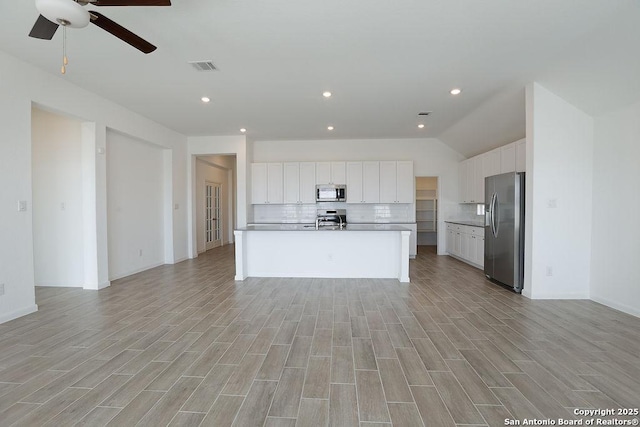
67	13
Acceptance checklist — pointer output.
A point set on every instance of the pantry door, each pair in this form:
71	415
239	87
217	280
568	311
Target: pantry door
212	216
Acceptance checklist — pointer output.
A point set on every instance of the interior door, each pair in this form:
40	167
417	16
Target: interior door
212	216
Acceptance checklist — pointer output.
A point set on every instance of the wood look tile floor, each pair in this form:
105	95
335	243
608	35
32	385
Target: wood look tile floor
186	345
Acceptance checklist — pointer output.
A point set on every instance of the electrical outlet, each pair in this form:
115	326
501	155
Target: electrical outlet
22	206
176	206
1	288
62	206
549	271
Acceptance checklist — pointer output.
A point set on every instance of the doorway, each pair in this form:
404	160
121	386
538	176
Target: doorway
212	216
427	210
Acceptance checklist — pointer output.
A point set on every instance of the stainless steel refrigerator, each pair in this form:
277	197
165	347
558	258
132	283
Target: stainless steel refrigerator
504	229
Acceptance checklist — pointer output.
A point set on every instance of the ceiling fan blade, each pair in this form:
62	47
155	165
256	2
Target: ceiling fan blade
131	2
43	29
122	33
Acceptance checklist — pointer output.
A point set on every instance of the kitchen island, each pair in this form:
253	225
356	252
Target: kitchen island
298	250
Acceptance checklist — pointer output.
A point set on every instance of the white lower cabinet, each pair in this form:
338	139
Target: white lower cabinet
466	243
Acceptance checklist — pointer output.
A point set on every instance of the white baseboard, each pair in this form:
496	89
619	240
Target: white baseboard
139	270
58	285
553	295
634	311
5	317
100	286
466	261
184	258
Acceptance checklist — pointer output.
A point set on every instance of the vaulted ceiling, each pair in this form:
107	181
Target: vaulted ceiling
384	62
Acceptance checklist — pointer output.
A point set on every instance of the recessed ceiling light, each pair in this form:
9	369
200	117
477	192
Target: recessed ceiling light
326	94
330	127
243	130
456	91
205	99
420	125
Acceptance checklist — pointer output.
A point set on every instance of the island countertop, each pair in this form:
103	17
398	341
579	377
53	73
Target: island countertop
312	227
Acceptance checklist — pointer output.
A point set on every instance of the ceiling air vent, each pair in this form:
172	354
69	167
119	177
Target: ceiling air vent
425	113
203	65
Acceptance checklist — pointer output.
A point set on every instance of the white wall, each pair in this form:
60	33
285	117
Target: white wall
558	197
21	85
430	158
135	200
615	249
211	172
57	200
216	145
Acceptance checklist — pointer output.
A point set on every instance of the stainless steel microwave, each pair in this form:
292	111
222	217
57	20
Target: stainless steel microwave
331	193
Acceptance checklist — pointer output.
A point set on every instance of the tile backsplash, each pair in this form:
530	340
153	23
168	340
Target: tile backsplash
469	212
356	213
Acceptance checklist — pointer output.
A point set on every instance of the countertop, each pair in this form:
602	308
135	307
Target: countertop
471	222
312	227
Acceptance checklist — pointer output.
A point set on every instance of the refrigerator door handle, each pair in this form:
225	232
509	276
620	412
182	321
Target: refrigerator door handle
492	214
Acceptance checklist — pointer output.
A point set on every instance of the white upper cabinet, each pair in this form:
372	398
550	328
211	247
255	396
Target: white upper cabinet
472	190
508	158
355	185
323	172
473	171
491	163
331	173
274	183
396	182
291	182
259	183
367	181
363	182
266	183
299	182
521	155
370	182
462	181
468	187
479	180
307	182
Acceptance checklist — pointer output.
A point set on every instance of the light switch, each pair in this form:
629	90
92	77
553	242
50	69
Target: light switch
552	203
22	206
100	150
176	206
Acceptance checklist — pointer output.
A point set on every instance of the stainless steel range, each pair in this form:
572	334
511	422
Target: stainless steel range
336	218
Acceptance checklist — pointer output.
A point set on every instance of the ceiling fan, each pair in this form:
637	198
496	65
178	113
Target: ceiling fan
71	13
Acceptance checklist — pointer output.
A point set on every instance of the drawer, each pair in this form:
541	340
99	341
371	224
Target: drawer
477	231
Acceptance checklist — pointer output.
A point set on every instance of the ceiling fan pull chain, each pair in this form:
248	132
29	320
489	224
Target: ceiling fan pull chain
65	61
